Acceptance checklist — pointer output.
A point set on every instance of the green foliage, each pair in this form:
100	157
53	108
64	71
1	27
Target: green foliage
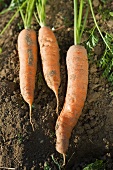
92	41
106	61
97	165
29	13
40	6
12	18
13	5
104	13
79	20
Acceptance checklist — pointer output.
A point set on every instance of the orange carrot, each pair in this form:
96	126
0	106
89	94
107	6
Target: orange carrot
27	48
77	67
49	51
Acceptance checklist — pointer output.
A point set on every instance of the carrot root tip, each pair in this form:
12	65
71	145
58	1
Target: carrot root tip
57	103
30	114
64	159
57	111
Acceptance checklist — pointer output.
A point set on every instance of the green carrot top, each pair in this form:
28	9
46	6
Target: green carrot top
40	6
78	27
29	13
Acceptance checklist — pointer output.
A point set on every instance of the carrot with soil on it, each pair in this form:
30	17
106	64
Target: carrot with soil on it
77	70
27	49
49	51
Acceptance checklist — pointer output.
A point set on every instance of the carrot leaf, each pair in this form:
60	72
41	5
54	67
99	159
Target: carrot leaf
13	5
98	164
96	24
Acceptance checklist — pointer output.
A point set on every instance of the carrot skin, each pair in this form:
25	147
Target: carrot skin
49	51
27	48
77	68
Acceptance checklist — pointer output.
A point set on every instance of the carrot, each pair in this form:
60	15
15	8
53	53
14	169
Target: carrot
49	51
77	66
27	49
77	70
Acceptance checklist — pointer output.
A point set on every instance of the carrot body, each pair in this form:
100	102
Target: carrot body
27	48
49	51
77	66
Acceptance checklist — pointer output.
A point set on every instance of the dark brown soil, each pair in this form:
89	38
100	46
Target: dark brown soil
92	138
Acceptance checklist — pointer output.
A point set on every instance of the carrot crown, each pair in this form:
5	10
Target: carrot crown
40	6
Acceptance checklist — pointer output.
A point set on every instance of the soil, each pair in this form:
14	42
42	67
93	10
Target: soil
92	138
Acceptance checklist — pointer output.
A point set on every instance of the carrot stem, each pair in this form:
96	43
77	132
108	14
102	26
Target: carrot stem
22	15
40	6
26	15
78	25
80	19
84	23
30	12
80	13
36	18
75	23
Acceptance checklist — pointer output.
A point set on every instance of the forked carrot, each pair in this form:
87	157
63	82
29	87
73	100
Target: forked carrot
27	48
77	70
49	51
